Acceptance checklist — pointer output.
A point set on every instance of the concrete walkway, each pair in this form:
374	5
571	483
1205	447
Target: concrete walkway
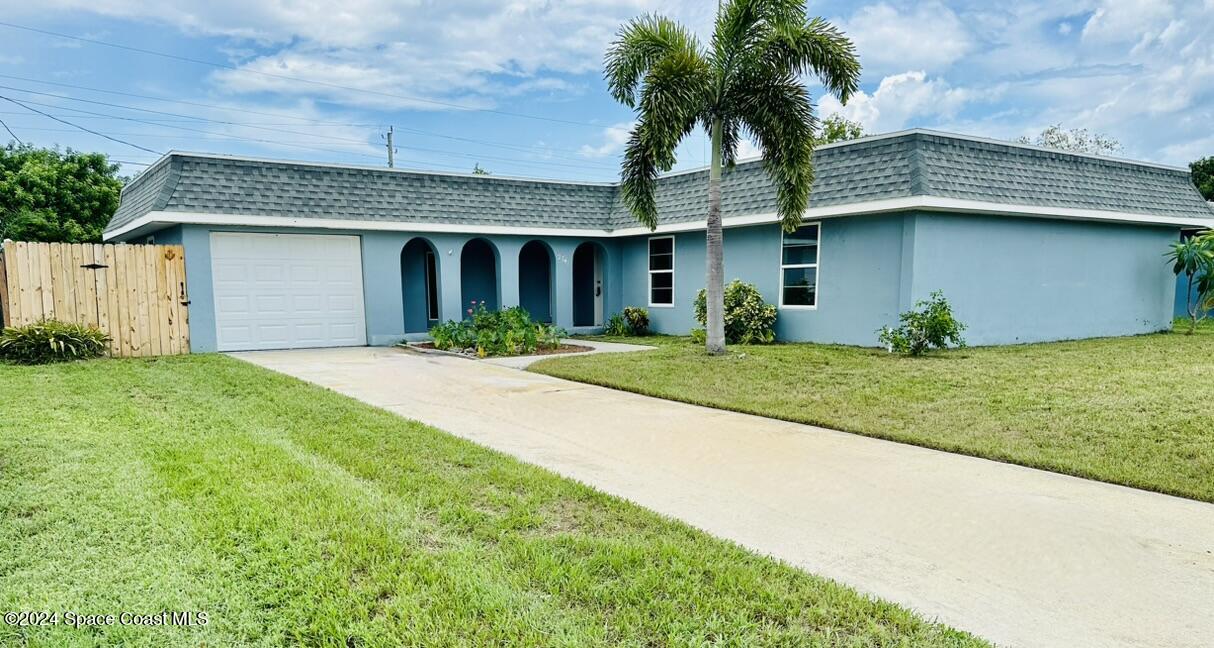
1019	556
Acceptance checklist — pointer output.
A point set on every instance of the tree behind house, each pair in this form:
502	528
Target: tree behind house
47	195
837	128
1202	172
1075	140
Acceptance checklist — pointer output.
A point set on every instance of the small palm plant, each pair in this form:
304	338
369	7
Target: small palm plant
746	82
1194	259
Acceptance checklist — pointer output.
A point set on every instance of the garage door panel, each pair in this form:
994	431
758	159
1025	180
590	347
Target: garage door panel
277	291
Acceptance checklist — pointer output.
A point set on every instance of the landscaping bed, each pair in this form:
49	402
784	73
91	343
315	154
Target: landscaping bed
292	515
539	351
1134	410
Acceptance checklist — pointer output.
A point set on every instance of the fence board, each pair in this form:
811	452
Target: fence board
44	270
5	309
113	321
125	305
31	301
135	293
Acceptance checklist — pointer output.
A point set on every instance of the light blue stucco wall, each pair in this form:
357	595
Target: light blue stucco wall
1183	293
1015	280
859	274
382	285
1010	280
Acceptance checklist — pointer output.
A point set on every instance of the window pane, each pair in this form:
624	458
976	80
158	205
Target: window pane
661	262
799	296
661	296
800	286
801	246
662	280
798	254
661	246
805	235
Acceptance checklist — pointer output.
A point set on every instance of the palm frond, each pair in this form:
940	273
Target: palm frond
672	101
817	48
638	47
778	113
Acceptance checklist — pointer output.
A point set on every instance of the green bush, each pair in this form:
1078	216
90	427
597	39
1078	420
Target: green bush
616	326
51	341
632	321
930	326
748	319
503	332
637	319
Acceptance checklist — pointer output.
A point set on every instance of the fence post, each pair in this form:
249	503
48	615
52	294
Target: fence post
4	311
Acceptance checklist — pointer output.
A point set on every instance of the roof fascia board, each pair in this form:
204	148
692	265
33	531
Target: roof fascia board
909	203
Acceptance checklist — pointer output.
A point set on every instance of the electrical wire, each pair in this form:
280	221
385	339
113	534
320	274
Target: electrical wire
533	163
10	132
337	86
63	121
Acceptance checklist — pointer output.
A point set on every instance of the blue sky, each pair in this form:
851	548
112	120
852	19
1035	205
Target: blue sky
516	86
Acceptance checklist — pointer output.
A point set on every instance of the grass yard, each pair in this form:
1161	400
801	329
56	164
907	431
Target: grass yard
1136	411
295	516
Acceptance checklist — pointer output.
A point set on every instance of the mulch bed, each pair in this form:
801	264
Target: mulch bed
564	348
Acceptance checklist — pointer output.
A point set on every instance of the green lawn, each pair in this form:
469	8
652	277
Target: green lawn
1136	411
294	516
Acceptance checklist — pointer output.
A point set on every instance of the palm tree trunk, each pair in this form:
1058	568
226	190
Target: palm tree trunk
714	265
1192	307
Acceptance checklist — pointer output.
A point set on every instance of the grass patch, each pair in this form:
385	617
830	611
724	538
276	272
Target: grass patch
295	516
1135	410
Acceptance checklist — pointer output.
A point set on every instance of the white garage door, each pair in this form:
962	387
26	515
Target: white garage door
287	291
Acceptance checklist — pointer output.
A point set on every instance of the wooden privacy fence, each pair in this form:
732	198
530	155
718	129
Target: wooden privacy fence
135	293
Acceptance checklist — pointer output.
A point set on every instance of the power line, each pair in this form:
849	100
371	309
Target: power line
161	112
590	166
285	77
10	132
417	131
186	103
62	121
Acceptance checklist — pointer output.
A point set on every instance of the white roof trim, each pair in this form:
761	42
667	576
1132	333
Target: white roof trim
158	219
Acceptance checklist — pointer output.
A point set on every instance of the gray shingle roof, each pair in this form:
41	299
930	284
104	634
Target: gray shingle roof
876	168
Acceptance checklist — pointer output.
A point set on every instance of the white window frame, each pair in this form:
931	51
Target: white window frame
816	265
650	272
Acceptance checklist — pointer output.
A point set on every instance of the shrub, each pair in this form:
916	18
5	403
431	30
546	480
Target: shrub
51	341
748	319
638	320
617	326
503	332
632	321
930	325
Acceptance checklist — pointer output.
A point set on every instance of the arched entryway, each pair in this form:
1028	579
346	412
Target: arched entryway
478	273
588	290
535	280
419	285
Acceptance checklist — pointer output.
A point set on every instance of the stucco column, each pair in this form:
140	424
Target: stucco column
562	282
381	253
507	279
451	303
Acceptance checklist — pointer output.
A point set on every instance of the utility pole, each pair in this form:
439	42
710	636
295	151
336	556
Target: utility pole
391	150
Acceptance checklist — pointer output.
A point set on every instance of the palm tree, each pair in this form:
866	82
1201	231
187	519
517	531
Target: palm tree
747	82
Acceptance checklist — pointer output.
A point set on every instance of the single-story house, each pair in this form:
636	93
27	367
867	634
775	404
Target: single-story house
1028	244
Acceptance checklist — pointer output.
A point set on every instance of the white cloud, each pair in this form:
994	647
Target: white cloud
614	139
930	36
901	100
470	52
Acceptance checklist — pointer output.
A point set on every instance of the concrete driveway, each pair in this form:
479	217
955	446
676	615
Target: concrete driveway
1019	556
